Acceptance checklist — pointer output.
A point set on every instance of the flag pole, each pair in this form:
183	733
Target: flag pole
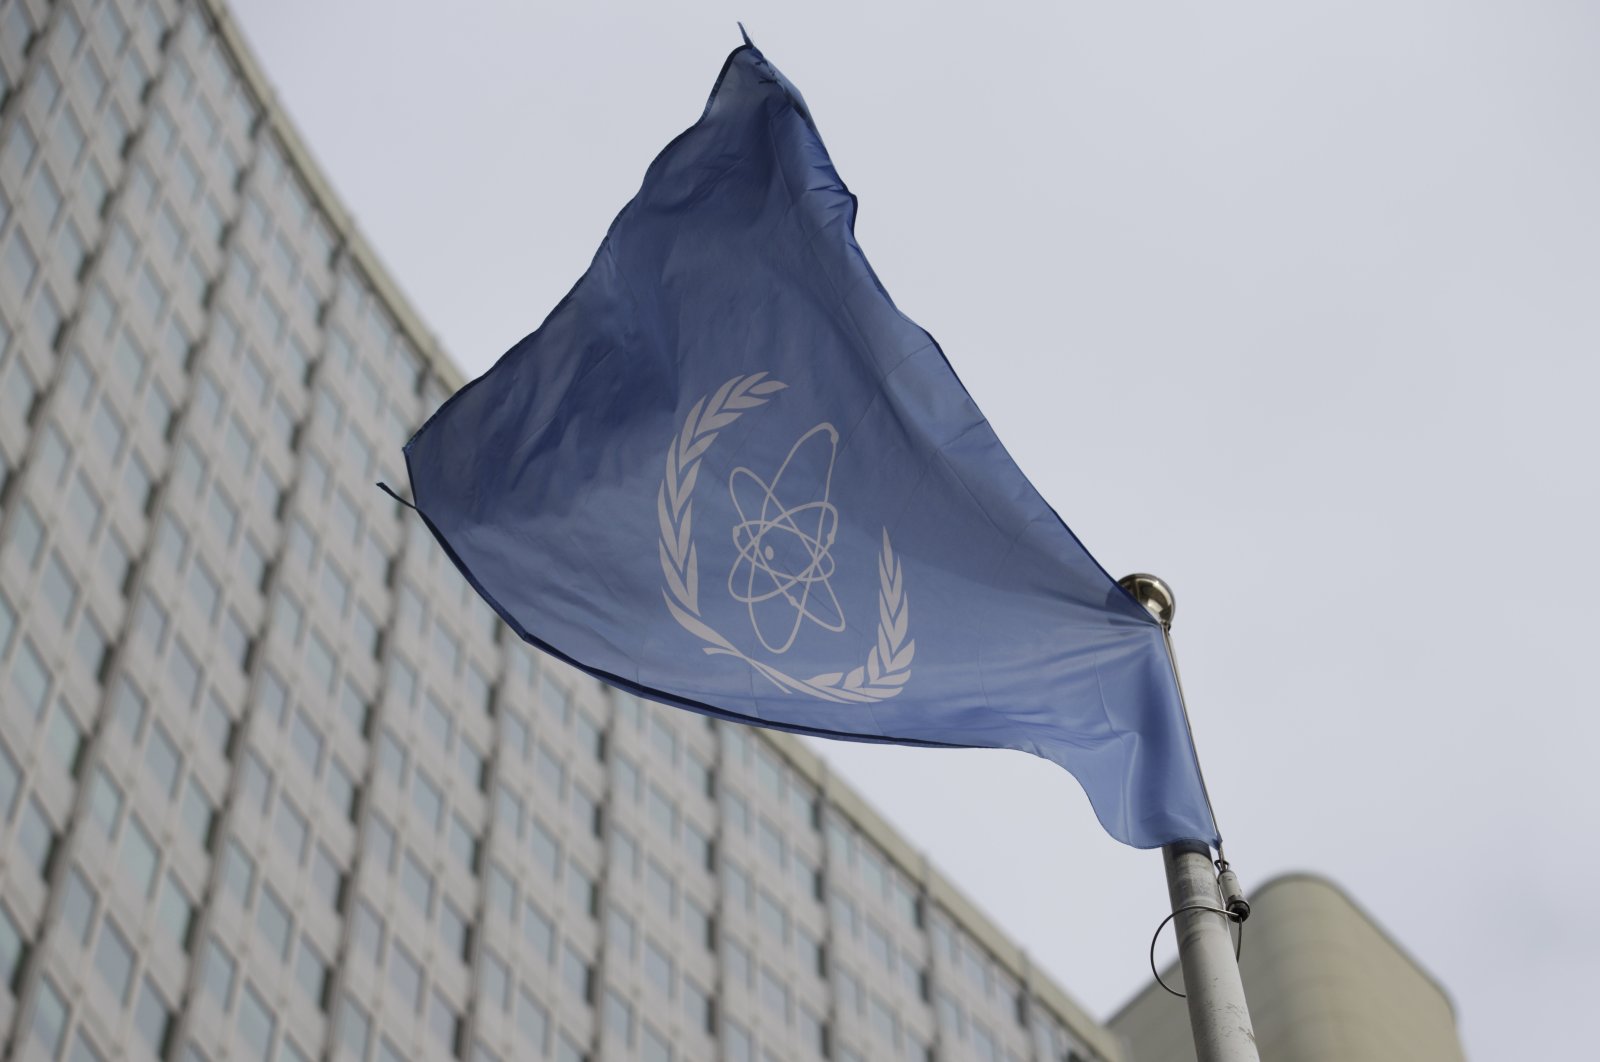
1219	1017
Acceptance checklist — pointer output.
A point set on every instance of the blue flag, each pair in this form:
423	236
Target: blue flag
727	474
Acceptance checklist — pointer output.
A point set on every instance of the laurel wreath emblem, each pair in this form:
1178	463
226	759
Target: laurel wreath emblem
888	664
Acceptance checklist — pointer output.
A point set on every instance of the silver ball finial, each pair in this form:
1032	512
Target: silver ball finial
1155	595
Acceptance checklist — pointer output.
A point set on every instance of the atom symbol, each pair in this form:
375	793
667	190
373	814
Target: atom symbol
784	557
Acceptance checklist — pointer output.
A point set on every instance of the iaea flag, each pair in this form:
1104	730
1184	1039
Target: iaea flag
726	473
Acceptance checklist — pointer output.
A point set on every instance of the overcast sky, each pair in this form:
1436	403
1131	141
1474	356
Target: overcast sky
1296	305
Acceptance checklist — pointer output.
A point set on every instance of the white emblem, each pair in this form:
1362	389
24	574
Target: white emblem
784	566
784	549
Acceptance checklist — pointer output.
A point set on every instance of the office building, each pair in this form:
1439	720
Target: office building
1325	983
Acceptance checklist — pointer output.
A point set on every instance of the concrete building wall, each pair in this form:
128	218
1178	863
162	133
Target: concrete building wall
1325	984
274	784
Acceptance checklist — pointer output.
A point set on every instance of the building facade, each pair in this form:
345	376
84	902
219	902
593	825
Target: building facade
1325	982
274	784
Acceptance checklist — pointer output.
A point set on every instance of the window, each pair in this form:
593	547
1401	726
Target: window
516	734
176	911
463	842
355	1028
49	1017
12	947
435	722
327	877
697	924
774	995
663	812
105	801
184	672
311	971
455	930
500	892
739	968
619	1017
257	783
664	740
161	758
771	841
353	705
538	932
546	852
773	918
272	919
27	534
445	1024
654	1047
139	857
77	906
36	837
878	944
152	1018
844	914
426	799
307	741
624	854
585	812
660	886
256	1024
380	842
576	972
30	679
405	976
417	883
368	932
494	979
735	812
342	790
548	767
291	829
391	756
658	967
619	933
736	886
698	1008
983	1044
533	1021
89	643
508	810
219	972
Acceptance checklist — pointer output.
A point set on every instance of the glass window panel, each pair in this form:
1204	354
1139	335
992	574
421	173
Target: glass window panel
30	679
152	1019
49	1012
219	972
139	856
238	871
113	959
256	1024
312	972
77	905
405	975
272	919
538	932
161	758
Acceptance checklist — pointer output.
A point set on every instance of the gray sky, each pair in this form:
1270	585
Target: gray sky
1297	305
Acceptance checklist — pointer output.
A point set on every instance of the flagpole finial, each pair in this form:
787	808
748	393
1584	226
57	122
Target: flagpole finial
1155	595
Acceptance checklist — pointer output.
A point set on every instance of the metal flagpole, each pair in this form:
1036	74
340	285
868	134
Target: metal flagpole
1219	1017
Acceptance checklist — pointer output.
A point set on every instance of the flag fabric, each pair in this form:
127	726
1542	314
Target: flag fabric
728	474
